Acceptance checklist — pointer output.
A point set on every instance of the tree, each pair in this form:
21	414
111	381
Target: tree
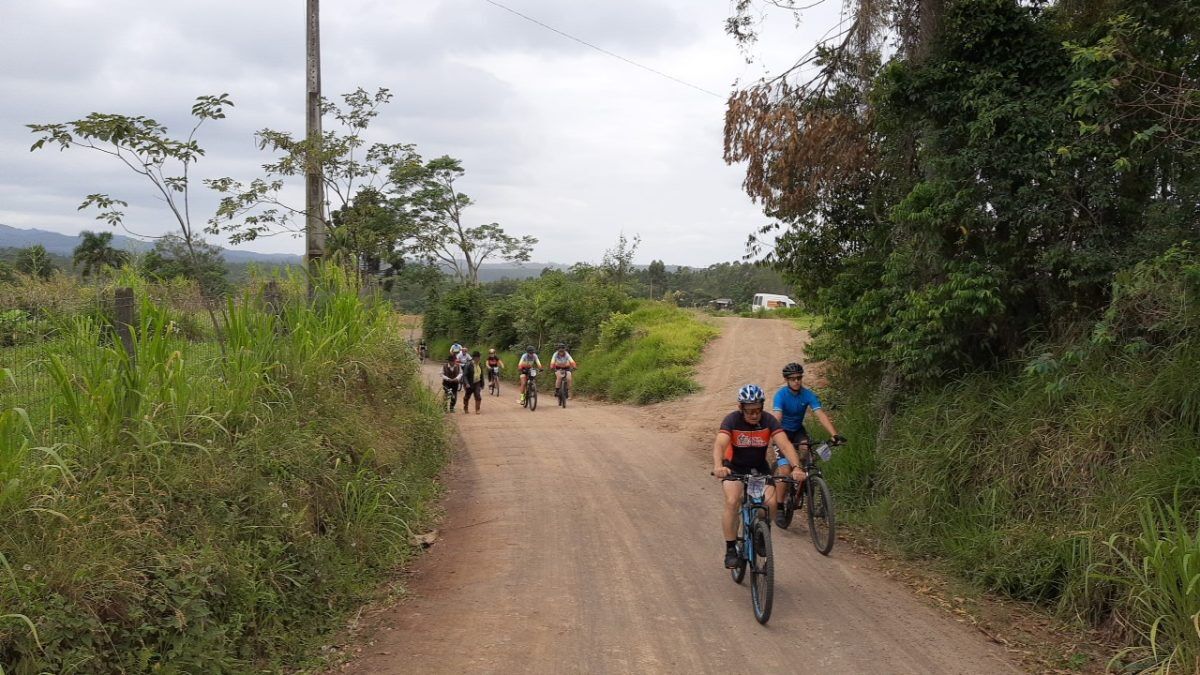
618	260
656	276
35	261
7	273
426	196
202	262
349	167
368	232
95	253
144	146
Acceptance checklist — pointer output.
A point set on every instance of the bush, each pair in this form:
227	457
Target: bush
655	359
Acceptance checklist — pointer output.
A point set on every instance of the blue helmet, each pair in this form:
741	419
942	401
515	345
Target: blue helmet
751	393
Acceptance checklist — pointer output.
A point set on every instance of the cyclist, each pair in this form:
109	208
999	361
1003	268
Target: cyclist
423	349
468	378
494	365
528	360
452	376
562	364
743	444
791	404
473	376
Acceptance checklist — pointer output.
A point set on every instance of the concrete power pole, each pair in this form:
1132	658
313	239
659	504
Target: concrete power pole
314	229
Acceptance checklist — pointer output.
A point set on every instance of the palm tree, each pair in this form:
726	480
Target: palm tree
95	252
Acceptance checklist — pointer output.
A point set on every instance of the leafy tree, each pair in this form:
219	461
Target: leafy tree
95	252
202	262
35	261
144	147
350	166
367	233
7	273
656	276
618	260
426	196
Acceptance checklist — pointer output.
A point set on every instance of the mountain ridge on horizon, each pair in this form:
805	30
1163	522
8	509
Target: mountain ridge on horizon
64	244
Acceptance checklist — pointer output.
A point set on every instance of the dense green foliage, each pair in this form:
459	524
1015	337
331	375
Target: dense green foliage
193	512
994	220
1015	168
1048	484
645	356
555	307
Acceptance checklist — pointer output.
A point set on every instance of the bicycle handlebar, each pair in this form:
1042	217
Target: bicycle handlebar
743	477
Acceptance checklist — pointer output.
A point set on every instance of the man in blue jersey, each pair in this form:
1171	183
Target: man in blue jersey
791	404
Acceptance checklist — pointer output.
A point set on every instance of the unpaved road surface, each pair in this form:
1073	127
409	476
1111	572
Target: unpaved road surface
587	540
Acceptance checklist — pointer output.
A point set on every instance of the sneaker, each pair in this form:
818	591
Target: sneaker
732	558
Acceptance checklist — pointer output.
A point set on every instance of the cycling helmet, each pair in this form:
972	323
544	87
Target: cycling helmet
530	349
792	369
561	345
492	350
751	393
455	348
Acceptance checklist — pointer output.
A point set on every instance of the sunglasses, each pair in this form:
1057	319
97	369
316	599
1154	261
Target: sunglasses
752	411
794	378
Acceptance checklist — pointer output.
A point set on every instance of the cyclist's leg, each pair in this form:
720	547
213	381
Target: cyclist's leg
733	504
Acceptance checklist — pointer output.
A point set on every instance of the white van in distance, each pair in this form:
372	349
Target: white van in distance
765	301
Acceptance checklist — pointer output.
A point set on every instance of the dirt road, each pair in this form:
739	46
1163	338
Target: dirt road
587	540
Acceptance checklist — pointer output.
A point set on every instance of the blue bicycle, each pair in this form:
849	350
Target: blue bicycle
754	542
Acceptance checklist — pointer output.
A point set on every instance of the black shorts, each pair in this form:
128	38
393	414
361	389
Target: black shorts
762	467
799	438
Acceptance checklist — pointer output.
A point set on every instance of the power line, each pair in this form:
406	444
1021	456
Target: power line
602	50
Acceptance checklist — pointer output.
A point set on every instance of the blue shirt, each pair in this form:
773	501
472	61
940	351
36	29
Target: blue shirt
794	406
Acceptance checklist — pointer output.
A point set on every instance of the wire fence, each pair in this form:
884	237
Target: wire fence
38	320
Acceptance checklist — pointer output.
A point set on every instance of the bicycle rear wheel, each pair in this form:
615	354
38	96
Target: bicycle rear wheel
822	523
762	576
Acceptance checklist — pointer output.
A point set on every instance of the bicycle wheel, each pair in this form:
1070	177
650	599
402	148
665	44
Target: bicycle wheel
561	393
738	573
762	579
531	398
788	507
821	522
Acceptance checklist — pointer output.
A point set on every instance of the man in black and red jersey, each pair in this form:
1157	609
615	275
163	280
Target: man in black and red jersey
743	445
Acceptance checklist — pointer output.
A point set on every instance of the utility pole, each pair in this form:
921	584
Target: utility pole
314	205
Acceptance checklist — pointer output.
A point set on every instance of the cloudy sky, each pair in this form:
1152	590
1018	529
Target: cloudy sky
559	141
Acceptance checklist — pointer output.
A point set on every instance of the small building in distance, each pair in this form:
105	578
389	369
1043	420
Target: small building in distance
721	304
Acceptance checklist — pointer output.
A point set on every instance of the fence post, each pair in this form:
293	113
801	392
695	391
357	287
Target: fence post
125	319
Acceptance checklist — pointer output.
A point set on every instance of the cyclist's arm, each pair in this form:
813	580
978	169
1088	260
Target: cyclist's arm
825	422
720	447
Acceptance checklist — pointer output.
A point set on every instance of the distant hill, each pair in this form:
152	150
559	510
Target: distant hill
64	244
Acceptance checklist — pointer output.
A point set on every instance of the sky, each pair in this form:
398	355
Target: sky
558	140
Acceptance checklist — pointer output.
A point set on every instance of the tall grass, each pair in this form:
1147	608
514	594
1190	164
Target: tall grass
645	356
186	512
1158	577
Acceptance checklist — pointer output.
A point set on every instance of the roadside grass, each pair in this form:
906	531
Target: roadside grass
193	513
1072	483
645	356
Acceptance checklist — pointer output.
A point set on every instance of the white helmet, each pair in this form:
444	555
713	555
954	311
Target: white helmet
455	348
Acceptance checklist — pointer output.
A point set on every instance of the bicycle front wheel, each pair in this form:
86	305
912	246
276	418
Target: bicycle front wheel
762	573
532	399
822	525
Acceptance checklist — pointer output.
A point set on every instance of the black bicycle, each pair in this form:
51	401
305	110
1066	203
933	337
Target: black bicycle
449	394
563	391
754	542
531	390
822	521
423	351
494	380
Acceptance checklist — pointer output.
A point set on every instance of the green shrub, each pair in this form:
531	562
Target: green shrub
653	361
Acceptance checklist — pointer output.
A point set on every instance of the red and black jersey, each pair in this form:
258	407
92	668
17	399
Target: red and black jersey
749	444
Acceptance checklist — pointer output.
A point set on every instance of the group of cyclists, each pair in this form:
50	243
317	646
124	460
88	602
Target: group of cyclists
746	440
750	439
463	370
